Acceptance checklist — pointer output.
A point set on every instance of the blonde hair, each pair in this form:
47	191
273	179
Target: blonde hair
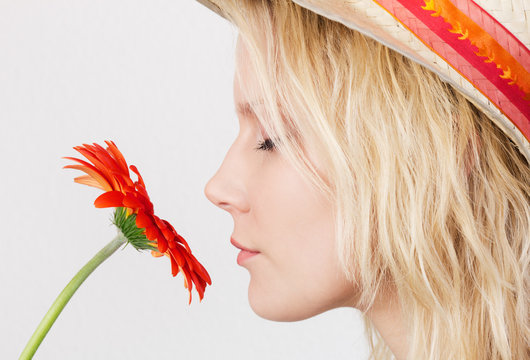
432	199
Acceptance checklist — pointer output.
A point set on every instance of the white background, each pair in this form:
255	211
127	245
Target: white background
156	78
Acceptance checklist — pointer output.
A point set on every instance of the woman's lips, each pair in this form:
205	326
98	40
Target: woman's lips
242	247
244	254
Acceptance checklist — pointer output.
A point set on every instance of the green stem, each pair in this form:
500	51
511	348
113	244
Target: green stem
67	293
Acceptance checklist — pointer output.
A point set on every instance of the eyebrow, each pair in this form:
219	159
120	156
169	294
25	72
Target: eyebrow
245	108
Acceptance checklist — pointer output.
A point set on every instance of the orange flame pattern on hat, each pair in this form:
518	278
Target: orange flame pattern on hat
487	46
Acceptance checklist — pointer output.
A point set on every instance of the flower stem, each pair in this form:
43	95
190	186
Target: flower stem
67	293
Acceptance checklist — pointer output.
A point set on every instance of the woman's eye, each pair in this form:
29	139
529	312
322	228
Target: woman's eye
266	145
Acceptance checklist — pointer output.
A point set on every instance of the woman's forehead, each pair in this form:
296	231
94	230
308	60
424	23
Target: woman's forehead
247	94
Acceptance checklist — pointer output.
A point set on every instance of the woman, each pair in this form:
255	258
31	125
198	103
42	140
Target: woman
361	179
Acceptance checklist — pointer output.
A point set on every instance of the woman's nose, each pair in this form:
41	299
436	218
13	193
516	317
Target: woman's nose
226	188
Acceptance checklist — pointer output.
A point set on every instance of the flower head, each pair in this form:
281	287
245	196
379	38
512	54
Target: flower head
110	173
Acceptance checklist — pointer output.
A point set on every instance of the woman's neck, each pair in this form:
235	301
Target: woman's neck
387	318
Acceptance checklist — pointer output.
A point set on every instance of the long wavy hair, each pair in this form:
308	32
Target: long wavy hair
432	199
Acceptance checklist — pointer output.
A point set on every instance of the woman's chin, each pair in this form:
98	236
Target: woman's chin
278	313
274	306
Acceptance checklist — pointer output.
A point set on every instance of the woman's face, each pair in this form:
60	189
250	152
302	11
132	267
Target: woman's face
296	274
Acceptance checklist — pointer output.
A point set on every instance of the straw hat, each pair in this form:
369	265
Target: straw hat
481	47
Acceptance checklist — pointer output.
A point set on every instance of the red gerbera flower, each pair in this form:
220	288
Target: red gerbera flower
109	172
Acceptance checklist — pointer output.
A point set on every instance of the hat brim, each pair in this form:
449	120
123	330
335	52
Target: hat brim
423	34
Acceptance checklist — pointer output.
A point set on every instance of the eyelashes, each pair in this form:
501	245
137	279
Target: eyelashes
266	145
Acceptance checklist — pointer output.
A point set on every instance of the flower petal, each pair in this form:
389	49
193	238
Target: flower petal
178	256
178	237
93	172
199	285
166	231
125	181
187	281
109	199
108	160
156	253
182	241
150	233
147	205
204	274
174	266
197	268
153	234
88	180
140	179
131	202
161	241
117	155
142	220
86	152
200	270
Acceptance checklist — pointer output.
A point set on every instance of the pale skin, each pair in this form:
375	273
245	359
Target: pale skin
275	210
